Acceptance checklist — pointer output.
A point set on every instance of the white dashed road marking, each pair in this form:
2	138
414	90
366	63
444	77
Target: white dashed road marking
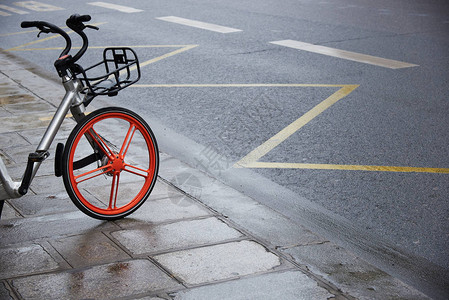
198	24
358	57
125	9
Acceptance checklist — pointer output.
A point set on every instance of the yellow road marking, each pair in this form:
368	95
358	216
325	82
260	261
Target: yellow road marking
269	145
37	6
184	48
20	32
12	9
276	165
239	85
21	47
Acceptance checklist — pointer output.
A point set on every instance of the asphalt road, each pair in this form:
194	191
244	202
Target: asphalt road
202	92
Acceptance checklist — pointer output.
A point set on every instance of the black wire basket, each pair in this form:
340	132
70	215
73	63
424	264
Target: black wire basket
122	69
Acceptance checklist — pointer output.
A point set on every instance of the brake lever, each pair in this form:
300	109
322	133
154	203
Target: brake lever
92	27
43	30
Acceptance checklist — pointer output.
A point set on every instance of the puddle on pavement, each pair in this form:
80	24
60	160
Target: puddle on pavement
9	91
23	122
16	99
25	108
6	159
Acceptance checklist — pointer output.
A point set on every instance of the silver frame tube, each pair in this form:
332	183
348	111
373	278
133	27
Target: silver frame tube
8	188
56	122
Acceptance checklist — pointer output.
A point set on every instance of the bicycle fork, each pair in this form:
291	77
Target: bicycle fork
72	101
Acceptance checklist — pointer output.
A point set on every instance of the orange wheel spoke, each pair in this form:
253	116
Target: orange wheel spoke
101	171
134	169
129	136
114	191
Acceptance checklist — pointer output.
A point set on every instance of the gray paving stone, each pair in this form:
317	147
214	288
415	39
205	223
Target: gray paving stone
271	226
5	294
4	113
16	170
7	160
7	65
25	260
23	122
257	219
47	185
352	274
38	205
171	167
20	154
164	210
88	249
12	139
218	262
160	191
291	285
121	279
29	229
9	212
26	107
175	236
45	89
34	136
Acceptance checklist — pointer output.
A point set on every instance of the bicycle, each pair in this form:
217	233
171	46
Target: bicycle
110	161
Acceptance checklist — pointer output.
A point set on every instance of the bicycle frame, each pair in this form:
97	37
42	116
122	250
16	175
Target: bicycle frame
72	101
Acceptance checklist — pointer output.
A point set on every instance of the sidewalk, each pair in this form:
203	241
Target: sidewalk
215	243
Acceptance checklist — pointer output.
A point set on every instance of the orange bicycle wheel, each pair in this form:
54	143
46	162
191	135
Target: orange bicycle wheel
110	163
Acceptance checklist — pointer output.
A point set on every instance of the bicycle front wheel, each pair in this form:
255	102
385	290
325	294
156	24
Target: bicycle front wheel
110	163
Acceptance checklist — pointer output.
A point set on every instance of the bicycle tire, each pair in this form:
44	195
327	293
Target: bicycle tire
104	181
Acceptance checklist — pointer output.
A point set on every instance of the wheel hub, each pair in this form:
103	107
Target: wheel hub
118	164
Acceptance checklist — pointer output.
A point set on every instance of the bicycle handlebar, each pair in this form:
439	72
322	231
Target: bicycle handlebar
74	22
47	28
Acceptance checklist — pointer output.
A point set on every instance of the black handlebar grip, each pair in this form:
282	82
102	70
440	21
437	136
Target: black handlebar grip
84	18
28	24
76	19
75	22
